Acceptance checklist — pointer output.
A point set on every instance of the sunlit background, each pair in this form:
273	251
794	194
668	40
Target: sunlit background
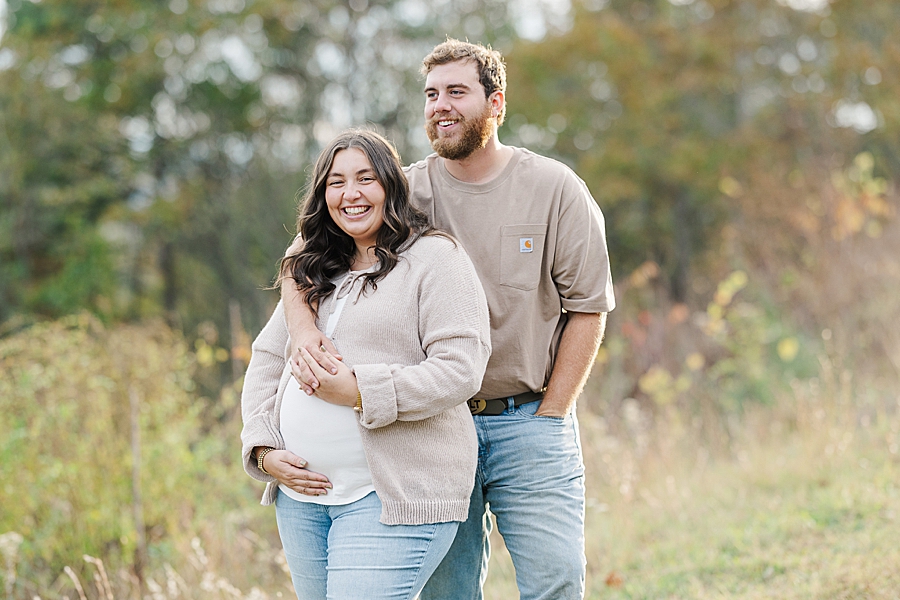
743	411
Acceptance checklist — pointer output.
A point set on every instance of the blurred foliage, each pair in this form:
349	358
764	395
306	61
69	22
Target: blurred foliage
689	117
744	153
66	442
150	152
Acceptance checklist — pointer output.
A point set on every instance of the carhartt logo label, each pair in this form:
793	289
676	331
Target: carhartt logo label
526	244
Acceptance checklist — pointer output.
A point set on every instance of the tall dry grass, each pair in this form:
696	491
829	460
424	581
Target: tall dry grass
797	499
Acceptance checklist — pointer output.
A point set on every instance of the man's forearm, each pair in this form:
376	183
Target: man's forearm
297	313
577	350
301	327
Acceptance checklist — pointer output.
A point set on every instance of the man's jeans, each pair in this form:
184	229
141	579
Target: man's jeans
340	552
531	474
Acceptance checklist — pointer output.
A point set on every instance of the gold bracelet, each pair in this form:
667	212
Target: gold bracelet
259	459
358	406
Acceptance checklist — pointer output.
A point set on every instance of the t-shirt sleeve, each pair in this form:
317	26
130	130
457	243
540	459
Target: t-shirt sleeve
581	267
420	190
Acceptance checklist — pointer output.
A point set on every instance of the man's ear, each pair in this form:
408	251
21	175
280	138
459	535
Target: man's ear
496	99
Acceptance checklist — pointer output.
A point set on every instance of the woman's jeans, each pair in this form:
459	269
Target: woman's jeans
343	552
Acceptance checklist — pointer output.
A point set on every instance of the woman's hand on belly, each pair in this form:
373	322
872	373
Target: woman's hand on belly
289	469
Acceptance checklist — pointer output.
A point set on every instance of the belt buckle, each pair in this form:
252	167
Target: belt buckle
476	405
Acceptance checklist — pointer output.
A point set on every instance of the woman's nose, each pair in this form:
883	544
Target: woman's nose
351	191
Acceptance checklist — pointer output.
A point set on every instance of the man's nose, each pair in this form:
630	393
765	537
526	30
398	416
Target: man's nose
442	103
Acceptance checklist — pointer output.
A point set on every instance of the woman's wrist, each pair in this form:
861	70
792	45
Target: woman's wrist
357	394
261	452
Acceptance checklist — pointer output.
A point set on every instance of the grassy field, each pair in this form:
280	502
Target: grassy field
799	499
804	502
798	502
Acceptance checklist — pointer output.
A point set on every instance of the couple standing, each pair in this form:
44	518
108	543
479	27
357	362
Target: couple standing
413	391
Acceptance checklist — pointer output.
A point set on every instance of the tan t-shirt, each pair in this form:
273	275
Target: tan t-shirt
538	242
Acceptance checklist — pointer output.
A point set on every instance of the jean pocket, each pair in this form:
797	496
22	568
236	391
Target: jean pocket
527	411
521	255
555	420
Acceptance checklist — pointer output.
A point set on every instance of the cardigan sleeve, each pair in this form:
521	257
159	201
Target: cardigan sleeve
260	391
454	329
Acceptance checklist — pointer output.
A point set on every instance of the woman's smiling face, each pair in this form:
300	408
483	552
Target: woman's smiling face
355	197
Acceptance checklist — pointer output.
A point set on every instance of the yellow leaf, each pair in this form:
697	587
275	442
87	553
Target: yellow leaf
695	361
788	348
205	355
730	187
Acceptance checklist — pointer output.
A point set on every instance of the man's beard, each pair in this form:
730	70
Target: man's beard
476	132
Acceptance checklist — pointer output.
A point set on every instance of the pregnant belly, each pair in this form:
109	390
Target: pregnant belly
327	437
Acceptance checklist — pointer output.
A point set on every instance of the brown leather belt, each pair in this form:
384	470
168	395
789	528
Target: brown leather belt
495	406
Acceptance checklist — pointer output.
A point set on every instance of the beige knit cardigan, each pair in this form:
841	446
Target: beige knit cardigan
419	345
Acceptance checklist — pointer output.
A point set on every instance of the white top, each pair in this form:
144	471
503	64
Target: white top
326	435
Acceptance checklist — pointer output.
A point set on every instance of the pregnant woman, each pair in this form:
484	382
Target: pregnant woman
371	474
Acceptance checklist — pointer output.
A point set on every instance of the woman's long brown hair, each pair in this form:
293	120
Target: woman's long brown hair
328	251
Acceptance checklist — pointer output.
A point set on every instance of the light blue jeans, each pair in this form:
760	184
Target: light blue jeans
531	476
344	552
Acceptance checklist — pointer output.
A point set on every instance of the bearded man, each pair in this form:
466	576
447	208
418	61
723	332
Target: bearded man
538	242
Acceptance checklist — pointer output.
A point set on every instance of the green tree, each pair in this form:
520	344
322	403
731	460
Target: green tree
196	121
685	117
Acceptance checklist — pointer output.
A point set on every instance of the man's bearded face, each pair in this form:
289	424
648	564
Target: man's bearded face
473	134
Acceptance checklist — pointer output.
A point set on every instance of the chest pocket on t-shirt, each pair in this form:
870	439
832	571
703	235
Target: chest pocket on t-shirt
521	254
